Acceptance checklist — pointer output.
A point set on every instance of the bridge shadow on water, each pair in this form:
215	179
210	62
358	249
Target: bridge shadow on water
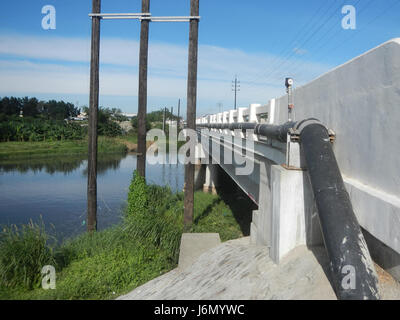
239	203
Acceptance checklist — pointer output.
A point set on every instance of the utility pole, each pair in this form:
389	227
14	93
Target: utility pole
178	124
142	96
179	110
220	106
235	87
191	110
93	111
145	17
163	121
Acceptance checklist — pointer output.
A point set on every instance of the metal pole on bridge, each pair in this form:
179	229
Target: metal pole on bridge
142	95
191	110
93	111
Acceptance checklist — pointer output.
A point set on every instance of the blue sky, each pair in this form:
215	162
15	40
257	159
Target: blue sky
260	41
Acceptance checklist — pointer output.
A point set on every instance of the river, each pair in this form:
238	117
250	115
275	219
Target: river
55	188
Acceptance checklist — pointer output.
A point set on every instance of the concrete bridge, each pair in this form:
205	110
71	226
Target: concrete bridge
359	102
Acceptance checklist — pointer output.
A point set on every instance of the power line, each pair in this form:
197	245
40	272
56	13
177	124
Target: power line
395	3
273	69
318	29
328	39
291	43
335	47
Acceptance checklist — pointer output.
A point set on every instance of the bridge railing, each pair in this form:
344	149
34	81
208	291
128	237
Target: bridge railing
255	113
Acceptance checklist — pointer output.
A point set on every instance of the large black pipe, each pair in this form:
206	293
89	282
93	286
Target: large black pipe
353	273
342	234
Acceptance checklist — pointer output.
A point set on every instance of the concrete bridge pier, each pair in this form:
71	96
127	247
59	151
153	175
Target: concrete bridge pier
211	178
287	216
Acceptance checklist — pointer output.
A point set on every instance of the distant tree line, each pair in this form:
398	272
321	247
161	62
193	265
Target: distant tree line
154	119
107	125
157	116
32	107
35	129
28	119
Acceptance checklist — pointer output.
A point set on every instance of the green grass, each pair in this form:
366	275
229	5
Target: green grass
145	245
99	266
18	150
131	137
214	215
23	253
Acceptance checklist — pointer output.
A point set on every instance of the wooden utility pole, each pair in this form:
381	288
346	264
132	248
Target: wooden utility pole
93	110
191	109
142	96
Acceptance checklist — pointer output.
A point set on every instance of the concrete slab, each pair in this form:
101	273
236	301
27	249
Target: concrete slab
239	270
193	245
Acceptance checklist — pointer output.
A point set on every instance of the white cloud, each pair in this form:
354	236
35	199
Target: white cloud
54	48
59	65
299	51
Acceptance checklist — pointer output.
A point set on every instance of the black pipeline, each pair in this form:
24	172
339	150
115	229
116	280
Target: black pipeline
342	234
275	132
344	241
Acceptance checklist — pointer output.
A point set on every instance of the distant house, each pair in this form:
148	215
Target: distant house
129	115
80	117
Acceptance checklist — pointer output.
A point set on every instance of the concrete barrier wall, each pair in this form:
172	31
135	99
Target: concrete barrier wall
360	101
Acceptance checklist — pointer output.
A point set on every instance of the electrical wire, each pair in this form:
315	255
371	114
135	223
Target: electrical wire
292	42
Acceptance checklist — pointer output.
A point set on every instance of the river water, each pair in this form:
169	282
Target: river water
55	188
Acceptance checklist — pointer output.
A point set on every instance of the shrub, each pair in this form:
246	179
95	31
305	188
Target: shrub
147	219
109	129
23	253
33	129
137	197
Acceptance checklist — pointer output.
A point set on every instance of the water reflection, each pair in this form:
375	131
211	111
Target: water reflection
48	165
64	164
55	188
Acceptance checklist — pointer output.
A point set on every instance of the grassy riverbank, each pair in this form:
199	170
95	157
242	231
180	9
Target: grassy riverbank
106	145
114	261
18	150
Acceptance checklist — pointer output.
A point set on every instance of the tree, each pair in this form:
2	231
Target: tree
30	107
134	123
10	106
59	110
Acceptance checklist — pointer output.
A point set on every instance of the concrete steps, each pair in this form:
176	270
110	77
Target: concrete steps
193	245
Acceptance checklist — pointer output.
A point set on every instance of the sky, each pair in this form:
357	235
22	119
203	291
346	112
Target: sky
260	41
